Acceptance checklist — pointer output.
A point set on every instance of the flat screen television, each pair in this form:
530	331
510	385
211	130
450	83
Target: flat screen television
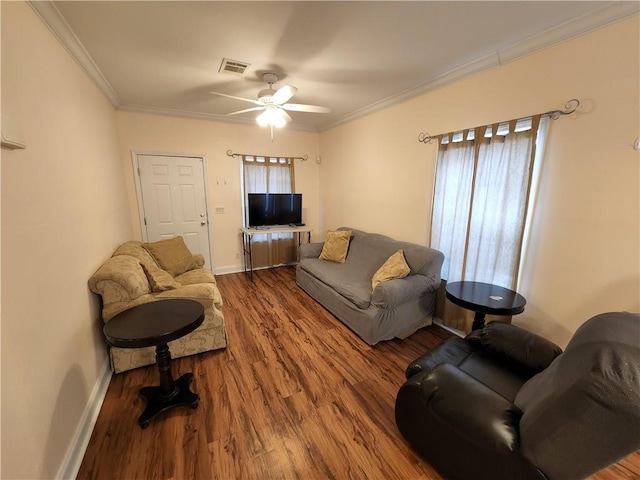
269	209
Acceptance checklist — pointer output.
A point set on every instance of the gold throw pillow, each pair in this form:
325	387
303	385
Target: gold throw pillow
395	267
336	245
172	254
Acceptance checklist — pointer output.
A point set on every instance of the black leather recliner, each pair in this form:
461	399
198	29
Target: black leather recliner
504	403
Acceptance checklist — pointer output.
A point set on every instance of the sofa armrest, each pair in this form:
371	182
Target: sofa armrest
471	409
515	344
309	250
119	279
399	290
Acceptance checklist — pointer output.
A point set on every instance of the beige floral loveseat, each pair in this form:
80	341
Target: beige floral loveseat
144	272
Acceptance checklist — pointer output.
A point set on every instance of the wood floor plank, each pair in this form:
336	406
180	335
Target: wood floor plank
295	395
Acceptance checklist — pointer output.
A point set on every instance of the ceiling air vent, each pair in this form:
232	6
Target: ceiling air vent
233	66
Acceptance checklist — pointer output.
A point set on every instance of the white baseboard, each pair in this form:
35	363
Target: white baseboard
228	269
438	322
240	268
75	452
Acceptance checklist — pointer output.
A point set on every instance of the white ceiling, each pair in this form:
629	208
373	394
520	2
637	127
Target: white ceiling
355	57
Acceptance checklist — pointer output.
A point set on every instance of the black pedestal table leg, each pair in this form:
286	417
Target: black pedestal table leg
478	321
169	394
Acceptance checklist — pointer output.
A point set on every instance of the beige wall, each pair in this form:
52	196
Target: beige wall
159	134
64	210
583	257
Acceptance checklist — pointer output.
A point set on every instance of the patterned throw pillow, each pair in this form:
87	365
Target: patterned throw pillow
395	267
336	245
172	254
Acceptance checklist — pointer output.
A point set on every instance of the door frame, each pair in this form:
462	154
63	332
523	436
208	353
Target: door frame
136	175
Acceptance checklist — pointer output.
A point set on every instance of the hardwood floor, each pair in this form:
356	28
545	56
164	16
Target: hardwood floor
294	395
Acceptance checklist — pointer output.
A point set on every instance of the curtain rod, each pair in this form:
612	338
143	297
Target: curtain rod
569	107
231	154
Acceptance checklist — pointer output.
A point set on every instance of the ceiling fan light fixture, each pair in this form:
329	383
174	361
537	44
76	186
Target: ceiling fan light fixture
272	116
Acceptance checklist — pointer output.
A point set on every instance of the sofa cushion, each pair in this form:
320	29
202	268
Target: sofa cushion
395	267
345	280
336	245
198	275
171	254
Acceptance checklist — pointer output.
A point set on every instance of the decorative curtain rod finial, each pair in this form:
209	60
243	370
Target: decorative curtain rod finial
569	107
425	138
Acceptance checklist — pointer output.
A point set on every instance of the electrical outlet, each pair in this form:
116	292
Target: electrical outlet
219	210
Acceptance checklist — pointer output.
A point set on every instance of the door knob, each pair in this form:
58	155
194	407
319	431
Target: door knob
203	222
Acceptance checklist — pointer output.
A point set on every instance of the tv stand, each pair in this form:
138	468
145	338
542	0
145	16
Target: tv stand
248	233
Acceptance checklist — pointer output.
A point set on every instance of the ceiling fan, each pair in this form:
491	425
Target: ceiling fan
273	104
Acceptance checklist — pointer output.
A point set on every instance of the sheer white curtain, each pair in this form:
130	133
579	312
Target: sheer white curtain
481	199
270	175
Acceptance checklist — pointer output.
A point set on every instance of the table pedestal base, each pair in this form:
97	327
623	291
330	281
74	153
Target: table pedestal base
478	321
158	401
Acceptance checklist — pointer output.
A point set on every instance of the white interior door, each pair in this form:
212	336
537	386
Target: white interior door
173	200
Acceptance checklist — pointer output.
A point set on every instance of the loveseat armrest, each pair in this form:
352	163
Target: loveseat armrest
309	250
395	292
119	279
515	344
471	408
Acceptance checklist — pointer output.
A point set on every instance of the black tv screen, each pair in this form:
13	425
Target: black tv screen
268	209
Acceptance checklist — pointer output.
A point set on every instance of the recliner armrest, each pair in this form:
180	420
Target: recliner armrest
453	351
516	344
472	409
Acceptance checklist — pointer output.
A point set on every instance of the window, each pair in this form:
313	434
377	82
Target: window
269	175
481	200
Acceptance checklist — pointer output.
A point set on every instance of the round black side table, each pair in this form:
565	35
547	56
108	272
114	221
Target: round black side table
155	324
485	298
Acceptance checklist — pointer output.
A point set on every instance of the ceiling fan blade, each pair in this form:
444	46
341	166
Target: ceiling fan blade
286	116
255	102
283	94
299	107
252	109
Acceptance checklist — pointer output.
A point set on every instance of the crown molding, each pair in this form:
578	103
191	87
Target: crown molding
53	19
468	70
568	30
561	33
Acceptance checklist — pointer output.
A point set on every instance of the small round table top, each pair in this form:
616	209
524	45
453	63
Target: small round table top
154	323
485	298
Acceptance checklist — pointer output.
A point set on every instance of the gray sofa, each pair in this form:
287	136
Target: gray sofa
396	308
